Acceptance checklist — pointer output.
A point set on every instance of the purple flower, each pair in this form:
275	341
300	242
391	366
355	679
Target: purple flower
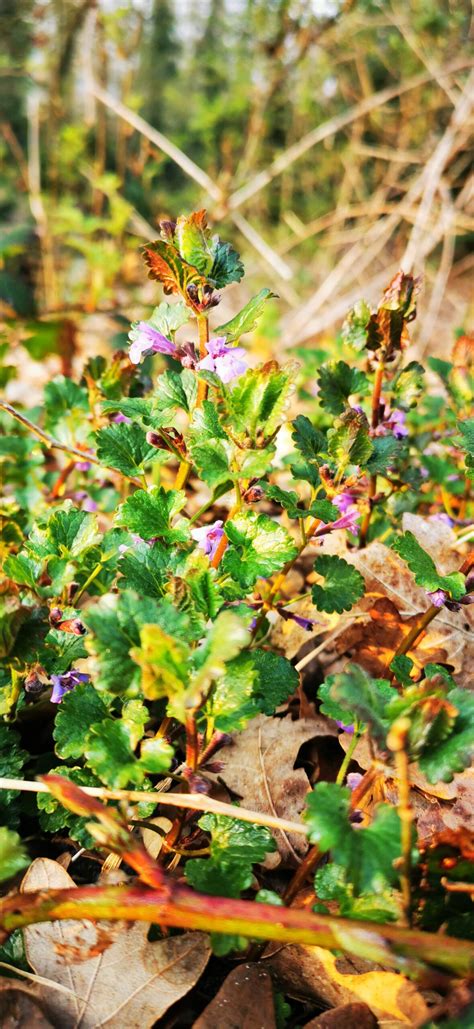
65	683
344	501
87	503
145	339
353	779
306	623
83	466
223	360
438	597
346	728
392	421
121	419
347	521
208	537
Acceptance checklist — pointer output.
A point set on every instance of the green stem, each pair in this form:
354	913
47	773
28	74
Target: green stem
347	759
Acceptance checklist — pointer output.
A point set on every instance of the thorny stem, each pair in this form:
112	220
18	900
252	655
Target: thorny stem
397	741
55	444
376	394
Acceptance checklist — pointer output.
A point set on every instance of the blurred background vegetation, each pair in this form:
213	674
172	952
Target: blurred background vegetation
329	141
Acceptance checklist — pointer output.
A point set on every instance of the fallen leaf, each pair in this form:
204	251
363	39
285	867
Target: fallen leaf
258	766
349	1016
316	973
116	977
20	1006
153	841
244	999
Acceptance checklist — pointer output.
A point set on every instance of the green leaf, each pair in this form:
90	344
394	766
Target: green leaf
124	447
290	501
360	698
13	856
343	584
144	569
54	817
227	636
149	513
78	710
367	855
258	400
227	266
259	547
115	626
255	682
408	385
466	430
12	761
66	406
401	667
110	756
205	424
310	442
194	241
23	570
235	847
337	382
68	533
386	449
156	755
175	390
348	441
163	661
424	568
212	460
354	329
455	753
246	319
168	318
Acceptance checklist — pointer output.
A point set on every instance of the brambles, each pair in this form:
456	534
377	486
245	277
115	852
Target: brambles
144	587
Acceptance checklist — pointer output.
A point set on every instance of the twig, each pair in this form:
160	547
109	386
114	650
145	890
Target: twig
55	444
334	125
192	801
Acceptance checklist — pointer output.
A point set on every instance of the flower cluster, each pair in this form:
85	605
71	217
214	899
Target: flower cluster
225	361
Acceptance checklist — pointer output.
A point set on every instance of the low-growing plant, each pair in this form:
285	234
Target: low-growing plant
152	524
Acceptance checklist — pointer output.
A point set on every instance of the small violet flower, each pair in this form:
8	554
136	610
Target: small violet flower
223	360
208	537
65	683
305	623
87	503
144	339
346	728
121	419
438	597
392	421
346	521
344	501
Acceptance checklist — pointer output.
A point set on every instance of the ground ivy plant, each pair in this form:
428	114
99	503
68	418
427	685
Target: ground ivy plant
150	521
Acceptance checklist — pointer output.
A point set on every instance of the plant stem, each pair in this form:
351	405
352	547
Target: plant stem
376	394
394	946
302	873
397	741
184	469
192	741
55	444
347	759
417	630
224	542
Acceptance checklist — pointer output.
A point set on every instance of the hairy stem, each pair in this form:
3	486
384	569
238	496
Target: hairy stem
347	759
397	947
417	630
376	394
184	469
397	741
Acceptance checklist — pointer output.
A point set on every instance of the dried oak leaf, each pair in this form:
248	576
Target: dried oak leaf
303	971
20	1006
258	765
244	999
348	1016
114	976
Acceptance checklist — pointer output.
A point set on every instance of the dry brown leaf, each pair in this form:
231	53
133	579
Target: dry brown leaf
316	973
20	1006
258	766
349	1016
244	999
116	977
